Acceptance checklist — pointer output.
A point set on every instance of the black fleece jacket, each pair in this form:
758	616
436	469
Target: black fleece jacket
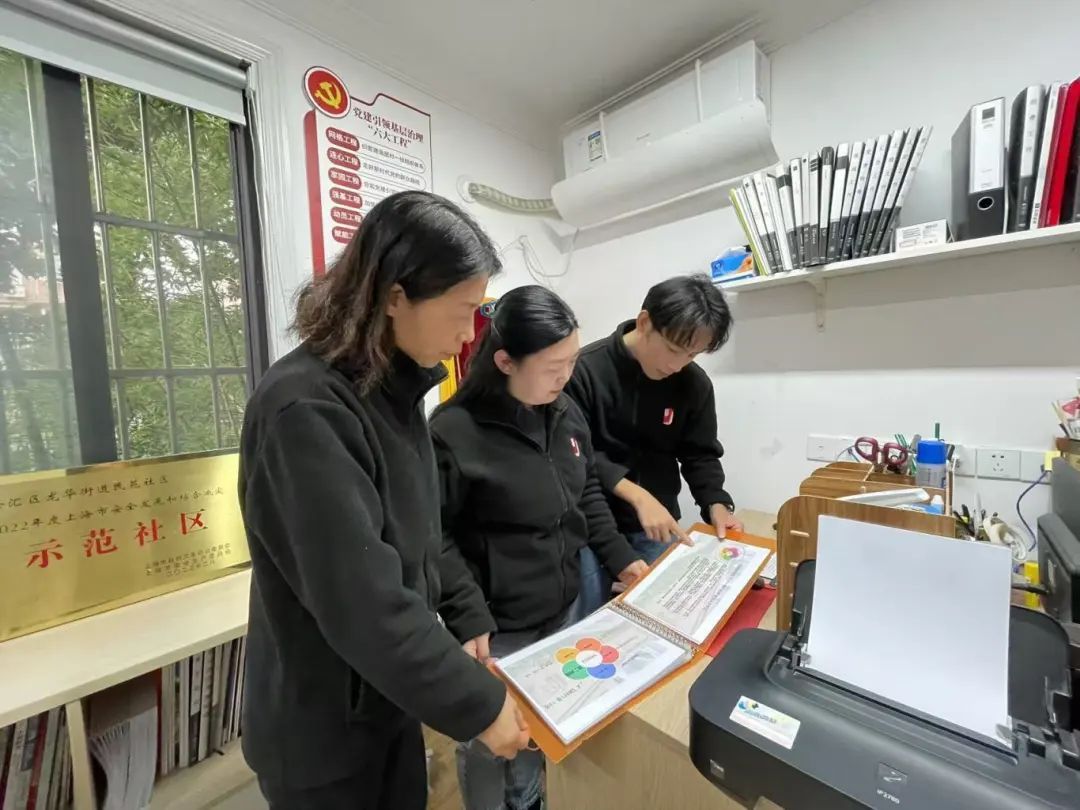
516	512
646	430
340	499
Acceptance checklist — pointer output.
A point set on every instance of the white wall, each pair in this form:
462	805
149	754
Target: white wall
980	346
461	144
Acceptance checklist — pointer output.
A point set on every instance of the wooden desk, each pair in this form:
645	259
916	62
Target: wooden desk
643	760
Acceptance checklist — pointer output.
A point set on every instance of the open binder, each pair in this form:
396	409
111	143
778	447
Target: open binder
578	681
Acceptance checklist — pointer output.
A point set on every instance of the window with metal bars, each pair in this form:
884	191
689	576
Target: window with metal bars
130	299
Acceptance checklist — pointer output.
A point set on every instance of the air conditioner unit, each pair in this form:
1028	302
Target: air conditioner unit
701	125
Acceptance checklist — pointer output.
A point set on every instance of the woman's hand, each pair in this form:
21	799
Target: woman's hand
633	572
629	575
509	733
479	647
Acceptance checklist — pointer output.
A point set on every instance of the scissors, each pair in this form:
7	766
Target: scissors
890	455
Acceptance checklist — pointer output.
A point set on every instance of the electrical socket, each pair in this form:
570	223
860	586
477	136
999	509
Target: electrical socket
827	448
998	464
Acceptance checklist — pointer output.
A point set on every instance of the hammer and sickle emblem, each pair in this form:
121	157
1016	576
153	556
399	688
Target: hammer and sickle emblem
329	94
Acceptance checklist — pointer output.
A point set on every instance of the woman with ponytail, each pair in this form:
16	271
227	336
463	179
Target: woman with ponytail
520	499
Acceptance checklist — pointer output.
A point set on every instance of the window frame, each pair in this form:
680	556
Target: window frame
65	108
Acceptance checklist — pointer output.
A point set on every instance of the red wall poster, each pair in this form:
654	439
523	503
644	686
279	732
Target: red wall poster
357	152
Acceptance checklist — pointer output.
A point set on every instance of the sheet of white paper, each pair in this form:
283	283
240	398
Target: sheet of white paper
917	619
692	588
769	571
577	677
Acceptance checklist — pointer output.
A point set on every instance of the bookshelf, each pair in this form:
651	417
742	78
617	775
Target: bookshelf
64	665
1004	243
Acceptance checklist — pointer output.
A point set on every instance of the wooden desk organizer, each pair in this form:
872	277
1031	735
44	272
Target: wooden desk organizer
797	522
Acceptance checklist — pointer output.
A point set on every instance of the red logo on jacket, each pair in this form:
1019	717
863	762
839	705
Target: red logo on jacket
575	447
669	416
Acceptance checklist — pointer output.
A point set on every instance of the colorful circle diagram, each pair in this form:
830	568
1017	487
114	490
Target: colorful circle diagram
729	552
588	658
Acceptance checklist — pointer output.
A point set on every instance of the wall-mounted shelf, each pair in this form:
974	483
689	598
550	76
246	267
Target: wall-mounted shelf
817	277
118	645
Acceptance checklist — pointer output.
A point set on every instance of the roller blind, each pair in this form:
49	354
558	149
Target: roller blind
88	42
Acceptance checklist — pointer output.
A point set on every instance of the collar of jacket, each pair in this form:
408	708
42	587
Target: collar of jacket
407	383
626	362
503	410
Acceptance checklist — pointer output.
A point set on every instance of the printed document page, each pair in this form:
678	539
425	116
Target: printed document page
917	619
577	677
692	588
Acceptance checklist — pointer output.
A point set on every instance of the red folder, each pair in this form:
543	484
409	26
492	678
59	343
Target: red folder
1059	161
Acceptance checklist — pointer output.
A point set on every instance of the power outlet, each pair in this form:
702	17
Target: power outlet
999	464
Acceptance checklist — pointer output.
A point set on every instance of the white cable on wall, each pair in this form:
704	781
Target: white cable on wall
472	192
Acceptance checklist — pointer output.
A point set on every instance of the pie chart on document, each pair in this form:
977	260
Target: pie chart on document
589	658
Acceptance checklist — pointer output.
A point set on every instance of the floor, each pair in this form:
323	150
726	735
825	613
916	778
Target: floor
444	788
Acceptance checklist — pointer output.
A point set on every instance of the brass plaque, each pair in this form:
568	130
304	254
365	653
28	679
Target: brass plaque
82	541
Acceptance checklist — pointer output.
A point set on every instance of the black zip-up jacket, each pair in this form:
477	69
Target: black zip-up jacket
516	512
645	430
340	499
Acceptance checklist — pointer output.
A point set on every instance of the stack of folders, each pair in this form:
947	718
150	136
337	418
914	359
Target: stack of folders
35	763
1044	157
840	203
199	703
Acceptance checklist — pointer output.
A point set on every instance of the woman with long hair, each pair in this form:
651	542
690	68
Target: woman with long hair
520	499
346	656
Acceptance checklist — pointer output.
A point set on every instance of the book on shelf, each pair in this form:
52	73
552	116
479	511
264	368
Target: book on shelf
873	180
1023	148
578	680
878	239
813	206
216	708
885	239
795	171
773	244
21	762
1070	207
828	158
772	192
205	719
194	707
33	762
1060	160
238	703
183	724
888	167
854	167
804	193
1048	137
753	207
203	713
787	211
123	733
847	250
840	172
742	211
